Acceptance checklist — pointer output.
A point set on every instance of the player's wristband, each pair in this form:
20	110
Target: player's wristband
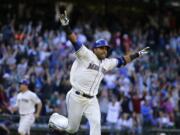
67	29
124	61
134	56
121	61
77	45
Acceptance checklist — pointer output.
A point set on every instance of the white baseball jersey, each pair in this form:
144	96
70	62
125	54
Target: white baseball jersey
86	74
113	112
26	102
87	71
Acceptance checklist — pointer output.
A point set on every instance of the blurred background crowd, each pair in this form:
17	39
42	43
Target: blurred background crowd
144	93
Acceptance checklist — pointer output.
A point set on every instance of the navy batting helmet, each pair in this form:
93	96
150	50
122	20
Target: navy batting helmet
24	81
101	43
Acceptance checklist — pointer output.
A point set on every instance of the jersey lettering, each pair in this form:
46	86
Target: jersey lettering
96	67
93	67
24	100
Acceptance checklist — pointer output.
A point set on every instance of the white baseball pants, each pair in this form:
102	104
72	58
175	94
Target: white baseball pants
78	106
25	123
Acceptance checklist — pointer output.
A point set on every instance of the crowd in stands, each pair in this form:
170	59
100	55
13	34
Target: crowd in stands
145	92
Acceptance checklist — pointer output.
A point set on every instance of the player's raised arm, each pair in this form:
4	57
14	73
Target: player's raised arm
130	57
72	37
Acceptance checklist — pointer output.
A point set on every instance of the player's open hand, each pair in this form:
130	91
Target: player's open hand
63	18
144	51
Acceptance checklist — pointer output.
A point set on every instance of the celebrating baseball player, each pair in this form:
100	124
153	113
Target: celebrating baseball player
26	101
85	76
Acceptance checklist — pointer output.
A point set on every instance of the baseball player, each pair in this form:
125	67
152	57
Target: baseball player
25	104
85	76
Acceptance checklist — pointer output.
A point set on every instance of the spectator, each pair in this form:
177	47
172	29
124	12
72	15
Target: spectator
164	121
4	103
125	124
126	104
137	124
147	114
113	114
168	107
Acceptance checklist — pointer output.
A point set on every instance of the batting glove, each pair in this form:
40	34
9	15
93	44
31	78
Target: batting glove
144	51
64	19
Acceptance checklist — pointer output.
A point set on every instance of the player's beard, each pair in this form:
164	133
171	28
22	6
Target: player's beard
102	56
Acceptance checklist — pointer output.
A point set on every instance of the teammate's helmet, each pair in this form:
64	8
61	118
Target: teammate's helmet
24	81
101	43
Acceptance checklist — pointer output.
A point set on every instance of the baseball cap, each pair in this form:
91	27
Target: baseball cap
24	81
101	43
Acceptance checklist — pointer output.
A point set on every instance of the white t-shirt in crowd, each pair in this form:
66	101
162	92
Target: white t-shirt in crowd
113	112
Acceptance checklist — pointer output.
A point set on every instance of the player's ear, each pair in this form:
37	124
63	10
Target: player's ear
94	50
